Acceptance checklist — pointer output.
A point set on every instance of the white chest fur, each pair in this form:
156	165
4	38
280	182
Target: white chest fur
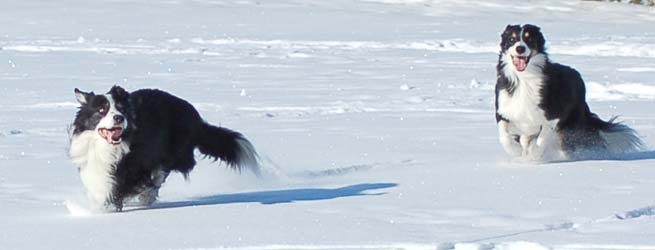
537	136
96	160
527	132
521	108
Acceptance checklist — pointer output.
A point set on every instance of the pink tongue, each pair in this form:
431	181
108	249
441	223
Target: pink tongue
115	134
111	135
520	63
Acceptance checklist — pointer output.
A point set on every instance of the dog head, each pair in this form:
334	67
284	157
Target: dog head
519	45
104	114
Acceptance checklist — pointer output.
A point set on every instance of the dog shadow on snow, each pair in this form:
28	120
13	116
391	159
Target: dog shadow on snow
642	155
278	196
634	156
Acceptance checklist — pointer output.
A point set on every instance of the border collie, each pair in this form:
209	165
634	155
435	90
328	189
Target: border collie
125	144
541	109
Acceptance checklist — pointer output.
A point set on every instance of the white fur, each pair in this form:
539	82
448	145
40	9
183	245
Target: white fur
537	138
547	146
521	108
81	98
249	158
108	120
622	139
96	160
534	71
527	132
511	146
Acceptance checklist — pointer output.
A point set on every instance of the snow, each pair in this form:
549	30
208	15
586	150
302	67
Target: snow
374	119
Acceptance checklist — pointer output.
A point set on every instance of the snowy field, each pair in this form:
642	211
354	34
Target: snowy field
375	119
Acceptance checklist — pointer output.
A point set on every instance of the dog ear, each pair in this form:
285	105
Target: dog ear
504	36
508	28
82	97
118	92
532	27
537	35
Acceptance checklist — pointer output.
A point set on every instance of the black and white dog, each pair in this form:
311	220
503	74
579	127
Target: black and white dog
125	144
541	109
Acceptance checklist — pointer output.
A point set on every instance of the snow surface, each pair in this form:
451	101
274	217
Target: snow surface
375	119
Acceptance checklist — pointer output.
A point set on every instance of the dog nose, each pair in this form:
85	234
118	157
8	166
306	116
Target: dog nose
119	118
520	49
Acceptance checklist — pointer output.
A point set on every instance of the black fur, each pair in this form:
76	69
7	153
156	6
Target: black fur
562	97
537	42
163	131
89	115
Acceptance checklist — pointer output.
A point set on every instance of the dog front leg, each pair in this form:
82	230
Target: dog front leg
151	192
548	145
127	179
117	202
527	145
508	141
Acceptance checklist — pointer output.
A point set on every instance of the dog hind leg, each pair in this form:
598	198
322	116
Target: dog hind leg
150	194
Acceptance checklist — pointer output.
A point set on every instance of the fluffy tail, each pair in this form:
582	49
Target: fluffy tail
619	138
229	146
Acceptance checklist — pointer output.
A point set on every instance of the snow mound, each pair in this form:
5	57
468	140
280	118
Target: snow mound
77	209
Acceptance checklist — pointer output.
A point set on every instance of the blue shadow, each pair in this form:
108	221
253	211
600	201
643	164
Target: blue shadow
277	196
636	156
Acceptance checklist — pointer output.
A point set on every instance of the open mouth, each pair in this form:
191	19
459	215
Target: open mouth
111	135
520	62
